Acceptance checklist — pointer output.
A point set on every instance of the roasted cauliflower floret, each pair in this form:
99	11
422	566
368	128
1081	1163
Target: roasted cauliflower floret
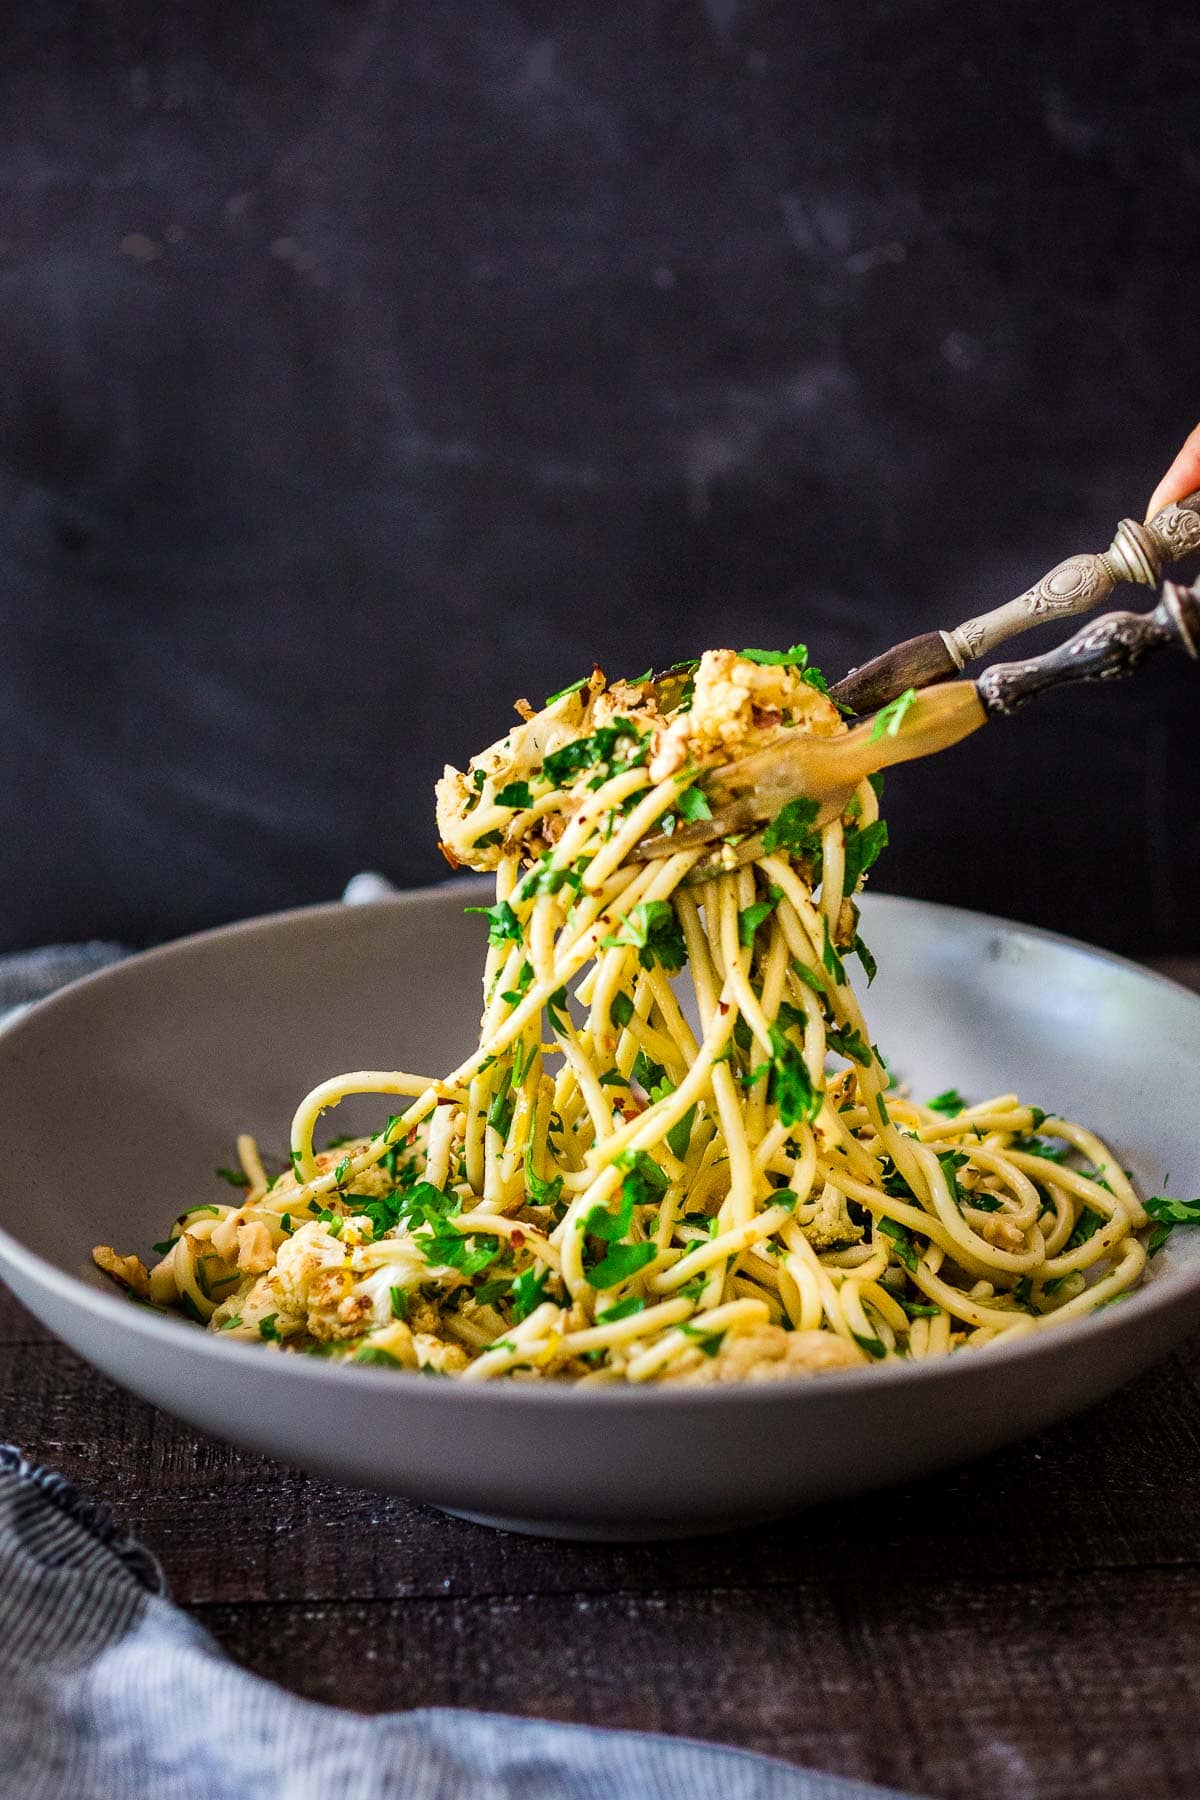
769	1353
738	706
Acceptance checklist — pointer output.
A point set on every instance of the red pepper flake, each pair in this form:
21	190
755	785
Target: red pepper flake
518	1238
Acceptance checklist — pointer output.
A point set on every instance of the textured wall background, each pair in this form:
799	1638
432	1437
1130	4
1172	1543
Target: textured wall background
364	365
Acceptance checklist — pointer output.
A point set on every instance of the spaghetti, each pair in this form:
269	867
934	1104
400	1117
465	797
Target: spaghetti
616	1185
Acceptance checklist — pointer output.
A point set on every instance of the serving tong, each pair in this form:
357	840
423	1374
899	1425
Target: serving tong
748	793
1138	553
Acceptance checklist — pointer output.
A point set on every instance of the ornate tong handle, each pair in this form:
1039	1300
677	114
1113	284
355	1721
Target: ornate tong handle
1103	651
1137	553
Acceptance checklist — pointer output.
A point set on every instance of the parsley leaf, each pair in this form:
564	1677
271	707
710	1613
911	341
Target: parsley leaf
870	966
528	1292
793	828
905	1248
1168	1213
374	1353
621	1309
621	1010
889	718
622	1261
1086	1226
830	957
399	1299
652	929
692	804
601	749
503	923
646	1072
791	1085
563	692
950	1102
707	1341
456	1250
1177	1212
751	917
516	794
862	851
850	1045
542	1193
266	1328
796	657
235	1177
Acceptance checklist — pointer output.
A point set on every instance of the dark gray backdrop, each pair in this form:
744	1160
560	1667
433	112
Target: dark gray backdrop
364	365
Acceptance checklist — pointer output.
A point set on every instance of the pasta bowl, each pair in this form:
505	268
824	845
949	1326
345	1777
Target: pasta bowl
146	1072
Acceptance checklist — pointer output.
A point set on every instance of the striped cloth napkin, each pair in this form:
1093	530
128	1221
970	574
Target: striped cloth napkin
109	1692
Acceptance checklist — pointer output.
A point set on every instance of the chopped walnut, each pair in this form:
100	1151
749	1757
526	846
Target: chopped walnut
130	1271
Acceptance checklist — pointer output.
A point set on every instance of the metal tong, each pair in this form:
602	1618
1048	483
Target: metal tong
1138	553
748	793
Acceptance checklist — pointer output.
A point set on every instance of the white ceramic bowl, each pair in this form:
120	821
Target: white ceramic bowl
120	1094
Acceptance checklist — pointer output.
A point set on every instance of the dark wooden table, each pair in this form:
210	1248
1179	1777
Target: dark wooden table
1026	1628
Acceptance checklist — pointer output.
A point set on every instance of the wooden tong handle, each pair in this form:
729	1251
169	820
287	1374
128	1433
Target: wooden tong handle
1137	553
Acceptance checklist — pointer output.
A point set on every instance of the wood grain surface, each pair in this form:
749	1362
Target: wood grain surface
1024	1628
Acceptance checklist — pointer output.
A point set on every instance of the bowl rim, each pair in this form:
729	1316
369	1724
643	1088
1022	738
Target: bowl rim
160	1328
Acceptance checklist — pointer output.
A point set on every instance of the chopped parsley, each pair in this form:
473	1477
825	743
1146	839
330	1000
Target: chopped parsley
646	1072
467	1254
1168	1213
751	917
849	1044
889	718
235	1177
707	1341
573	689
830	957
621	1309
616	747
556	1012
796	657
516	794
863	849
791	1085
1086	1226
950	1102
399	1299
542	1193
528	1292
372	1353
622	1261
793	829
692	804
503	924
621	1010
902	1242
266	1328
500	1112
870	966
652	929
